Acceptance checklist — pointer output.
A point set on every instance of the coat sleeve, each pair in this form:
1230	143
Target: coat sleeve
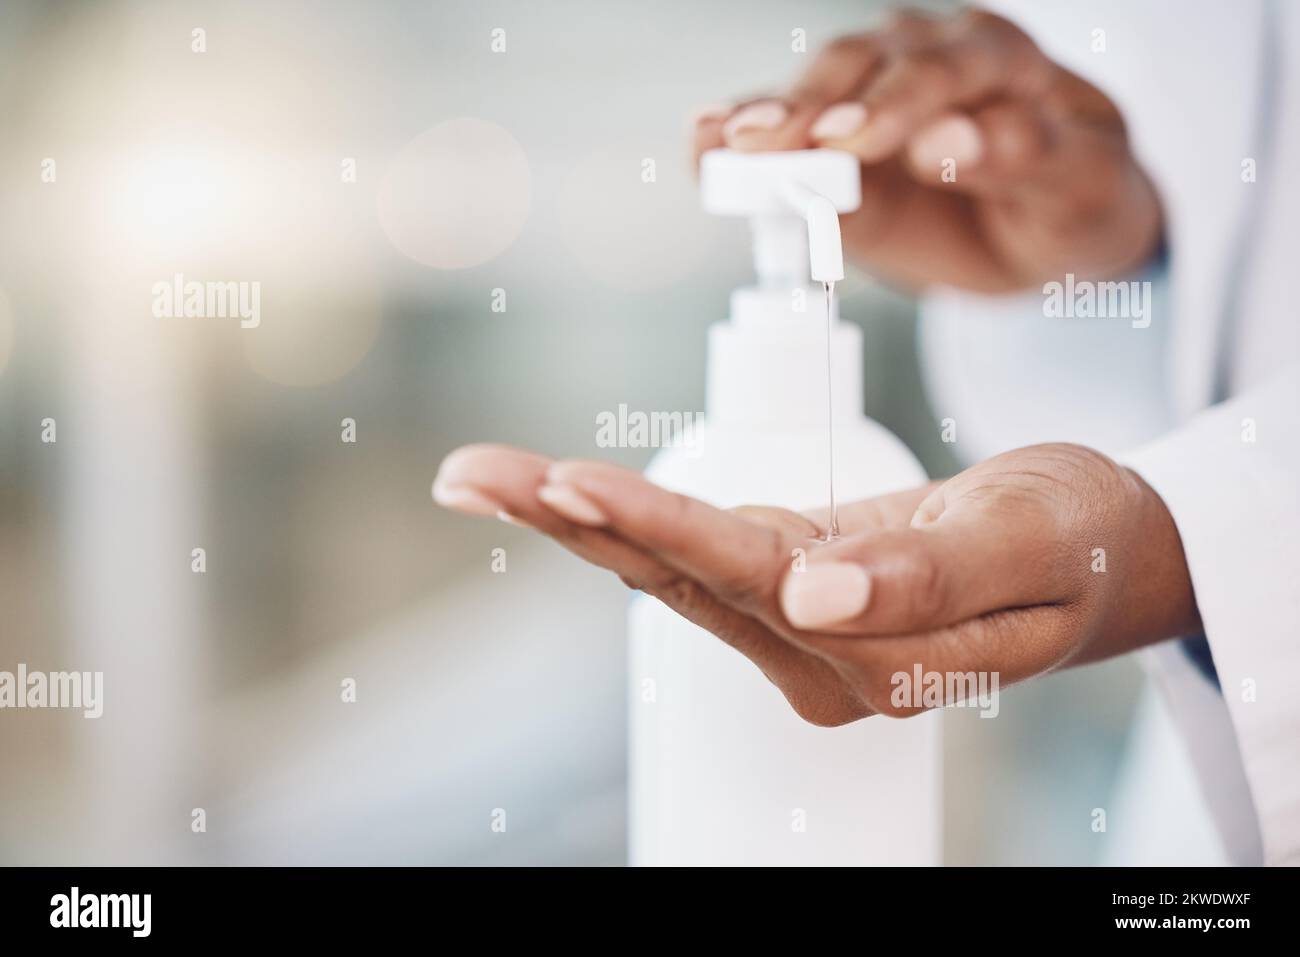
1230	478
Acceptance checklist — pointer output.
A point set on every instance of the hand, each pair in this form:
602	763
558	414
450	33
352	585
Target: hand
995	570
1044	183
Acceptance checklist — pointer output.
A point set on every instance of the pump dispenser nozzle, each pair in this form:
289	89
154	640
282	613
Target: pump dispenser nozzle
825	252
793	200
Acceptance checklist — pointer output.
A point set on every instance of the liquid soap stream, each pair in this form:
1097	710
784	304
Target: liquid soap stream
832	529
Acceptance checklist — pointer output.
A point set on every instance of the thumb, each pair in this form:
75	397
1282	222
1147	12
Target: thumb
949	566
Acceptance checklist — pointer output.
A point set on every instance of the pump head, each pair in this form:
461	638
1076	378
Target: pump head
793	200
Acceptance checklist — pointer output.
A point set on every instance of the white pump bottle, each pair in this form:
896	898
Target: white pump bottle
722	770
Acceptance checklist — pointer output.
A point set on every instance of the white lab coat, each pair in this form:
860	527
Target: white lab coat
1201	94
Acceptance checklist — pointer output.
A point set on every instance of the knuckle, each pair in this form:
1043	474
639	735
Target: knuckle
1016	137
1108	177
1010	44
978	18
848	47
756	585
688	592
752	513
906	23
901	17
987	25
705	122
677	517
651	580
680	510
971	643
926	70
1086	208
676	591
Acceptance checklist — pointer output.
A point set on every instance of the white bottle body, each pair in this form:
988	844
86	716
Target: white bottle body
722	771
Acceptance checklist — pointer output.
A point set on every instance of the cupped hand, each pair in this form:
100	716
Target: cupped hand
985	165
1045	556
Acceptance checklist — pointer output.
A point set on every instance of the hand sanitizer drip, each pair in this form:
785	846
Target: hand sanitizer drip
722	771
833	525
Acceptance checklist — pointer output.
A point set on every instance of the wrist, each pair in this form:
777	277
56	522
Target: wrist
1162	603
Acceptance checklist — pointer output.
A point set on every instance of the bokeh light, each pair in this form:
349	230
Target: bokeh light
457	195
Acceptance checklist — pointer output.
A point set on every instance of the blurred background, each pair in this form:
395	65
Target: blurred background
325	559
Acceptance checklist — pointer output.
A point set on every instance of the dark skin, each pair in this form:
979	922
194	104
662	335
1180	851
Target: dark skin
1045	182
1037	559
992	570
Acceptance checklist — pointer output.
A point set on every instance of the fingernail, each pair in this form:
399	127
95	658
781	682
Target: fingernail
512	519
825	594
767	115
840	121
953	138
462	498
572	504
714	111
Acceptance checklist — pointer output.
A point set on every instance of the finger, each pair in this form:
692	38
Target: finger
774	656
619	520
839	68
965	563
1012	148
915	238
835	76
1000	149
709	122
812	683
893	510
794	524
979	56
706	129
782	123
486	479
738	560
506	480
771	124
906	28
